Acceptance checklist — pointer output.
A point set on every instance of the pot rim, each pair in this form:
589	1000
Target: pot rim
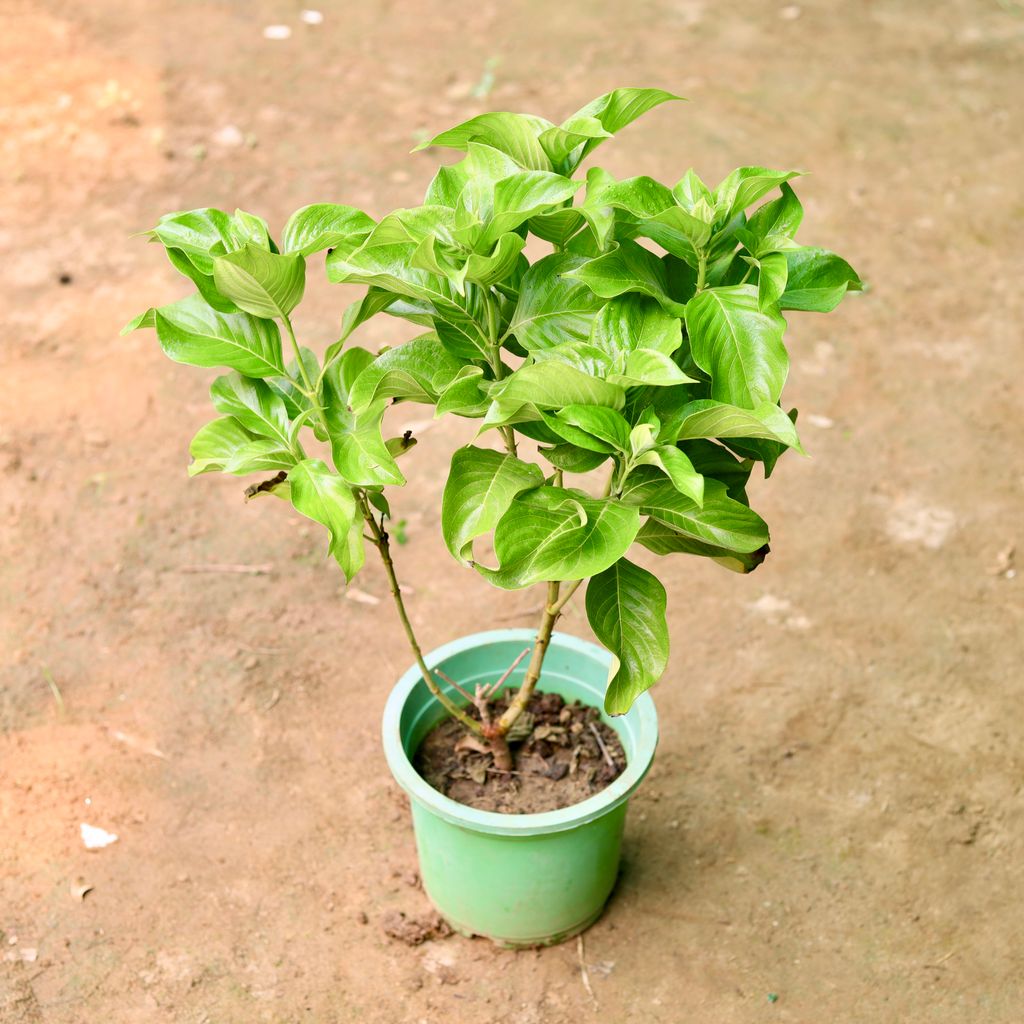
642	715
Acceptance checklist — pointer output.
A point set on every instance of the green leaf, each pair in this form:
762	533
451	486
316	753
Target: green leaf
612	112
446	186
631	322
720	521
204	282
559	142
571	459
248	227
199	234
648	368
263	283
260	456
555	533
579	354
225	446
417	371
295	401
628	267
257	406
663	540
357	313
817	280
144	319
593	427
626	610
680	232
738	345
713	460
216	444
641	197
480	488
324	225
390	267
414	224
462	395
705	418
745	186
691	192
552	385
324	497
189	331
557	226
599	215
513	134
678	468
773	226
488	270
553	307
360	453
522	196
771	279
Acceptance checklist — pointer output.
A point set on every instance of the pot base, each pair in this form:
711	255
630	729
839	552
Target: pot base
538	943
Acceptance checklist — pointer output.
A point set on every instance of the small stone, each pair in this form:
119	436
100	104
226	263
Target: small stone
312	17
277	32
230	136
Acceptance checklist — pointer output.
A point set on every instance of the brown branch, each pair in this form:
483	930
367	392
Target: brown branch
380	540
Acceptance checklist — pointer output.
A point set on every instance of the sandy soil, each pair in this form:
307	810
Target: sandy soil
833	829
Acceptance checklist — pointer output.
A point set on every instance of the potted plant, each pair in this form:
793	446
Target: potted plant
626	381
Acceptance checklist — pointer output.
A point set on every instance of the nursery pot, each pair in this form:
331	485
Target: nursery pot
518	879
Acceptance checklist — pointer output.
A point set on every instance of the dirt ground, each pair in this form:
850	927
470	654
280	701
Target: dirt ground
833	828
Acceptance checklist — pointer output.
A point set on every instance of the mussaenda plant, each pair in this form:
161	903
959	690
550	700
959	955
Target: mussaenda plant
644	352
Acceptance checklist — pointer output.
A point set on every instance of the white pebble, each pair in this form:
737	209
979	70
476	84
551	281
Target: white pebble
277	32
96	838
911	521
821	422
312	17
230	135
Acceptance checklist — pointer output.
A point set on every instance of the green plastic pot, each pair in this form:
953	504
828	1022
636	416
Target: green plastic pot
518	879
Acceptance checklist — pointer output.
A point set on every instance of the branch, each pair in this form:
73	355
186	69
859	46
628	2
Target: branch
380	541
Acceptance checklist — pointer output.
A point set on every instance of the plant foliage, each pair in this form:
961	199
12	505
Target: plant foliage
648	346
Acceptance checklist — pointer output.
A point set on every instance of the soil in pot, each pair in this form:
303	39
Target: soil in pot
562	753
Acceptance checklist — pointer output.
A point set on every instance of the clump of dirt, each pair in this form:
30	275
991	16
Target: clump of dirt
564	754
414	931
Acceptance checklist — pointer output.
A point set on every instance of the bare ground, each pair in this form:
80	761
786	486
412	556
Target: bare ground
833	829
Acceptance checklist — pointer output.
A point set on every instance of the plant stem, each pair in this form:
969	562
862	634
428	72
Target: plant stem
552	610
494	358
380	541
565	598
298	357
702	268
310	391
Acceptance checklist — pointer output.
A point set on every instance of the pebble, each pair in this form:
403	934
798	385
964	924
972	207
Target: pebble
277	32
230	135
